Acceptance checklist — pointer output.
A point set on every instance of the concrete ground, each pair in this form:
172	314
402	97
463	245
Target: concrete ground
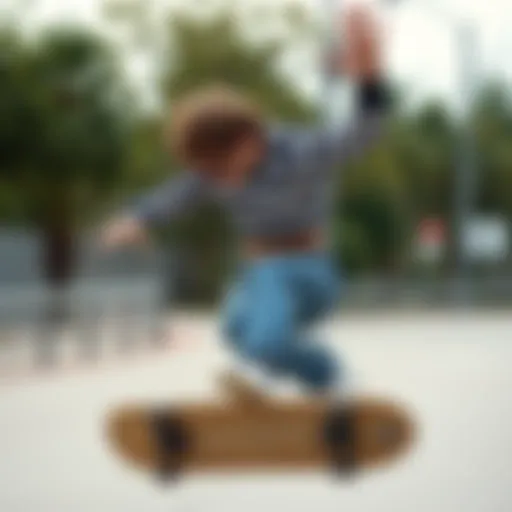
453	370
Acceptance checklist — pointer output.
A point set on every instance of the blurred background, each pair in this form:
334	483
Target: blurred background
422	222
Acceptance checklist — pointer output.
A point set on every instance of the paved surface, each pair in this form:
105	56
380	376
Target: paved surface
454	370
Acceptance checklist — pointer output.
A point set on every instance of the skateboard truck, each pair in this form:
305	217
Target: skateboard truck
172	444
340	438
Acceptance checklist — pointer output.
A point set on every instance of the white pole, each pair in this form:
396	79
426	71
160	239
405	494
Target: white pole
466	165
330	87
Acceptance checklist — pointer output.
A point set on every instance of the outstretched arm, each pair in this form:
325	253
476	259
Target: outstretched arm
165	202
169	200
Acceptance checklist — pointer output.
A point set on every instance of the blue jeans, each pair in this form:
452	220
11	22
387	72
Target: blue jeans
269	309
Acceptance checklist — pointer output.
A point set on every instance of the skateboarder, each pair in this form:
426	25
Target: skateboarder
276	184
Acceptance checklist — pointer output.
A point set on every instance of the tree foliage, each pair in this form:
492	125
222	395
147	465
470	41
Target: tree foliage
63	130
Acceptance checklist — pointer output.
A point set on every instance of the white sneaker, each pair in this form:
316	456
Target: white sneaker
245	376
262	382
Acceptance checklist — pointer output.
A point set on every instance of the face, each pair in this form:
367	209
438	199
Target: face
234	170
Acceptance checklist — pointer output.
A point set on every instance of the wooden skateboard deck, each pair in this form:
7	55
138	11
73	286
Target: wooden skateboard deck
254	432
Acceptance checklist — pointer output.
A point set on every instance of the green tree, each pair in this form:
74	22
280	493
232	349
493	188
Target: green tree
492	120
423	143
373	211
63	132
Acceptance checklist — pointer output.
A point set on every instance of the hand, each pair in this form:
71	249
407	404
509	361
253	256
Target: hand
361	57
122	232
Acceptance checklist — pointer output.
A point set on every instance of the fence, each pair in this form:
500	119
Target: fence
93	320
113	303
427	293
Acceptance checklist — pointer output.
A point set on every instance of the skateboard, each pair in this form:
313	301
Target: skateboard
250	431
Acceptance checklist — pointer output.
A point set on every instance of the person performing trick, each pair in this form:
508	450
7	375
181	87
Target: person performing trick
277	185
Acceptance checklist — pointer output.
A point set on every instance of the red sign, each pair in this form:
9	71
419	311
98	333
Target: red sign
432	231
431	240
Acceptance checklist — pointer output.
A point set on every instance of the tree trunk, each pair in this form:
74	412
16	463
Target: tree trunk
59	253
58	259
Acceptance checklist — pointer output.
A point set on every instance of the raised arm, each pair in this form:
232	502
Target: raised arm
367	126
326	147
360	61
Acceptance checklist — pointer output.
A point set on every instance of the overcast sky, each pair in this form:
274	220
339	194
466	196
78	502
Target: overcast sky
422	52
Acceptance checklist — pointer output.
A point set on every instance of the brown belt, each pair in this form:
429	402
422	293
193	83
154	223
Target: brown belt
266	246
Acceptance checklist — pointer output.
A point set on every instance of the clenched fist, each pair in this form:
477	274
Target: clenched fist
361	55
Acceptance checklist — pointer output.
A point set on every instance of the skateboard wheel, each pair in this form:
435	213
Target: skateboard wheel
171	444
340	440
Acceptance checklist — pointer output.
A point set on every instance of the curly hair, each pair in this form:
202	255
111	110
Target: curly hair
208	124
